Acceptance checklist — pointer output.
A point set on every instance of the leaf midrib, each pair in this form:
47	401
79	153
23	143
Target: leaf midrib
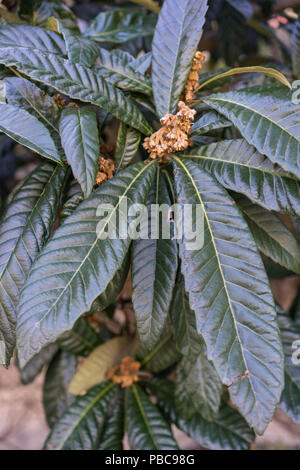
85	412
142	84
27	68
133	29
141	410
234	162
220	269
32	213
279	242
94	243
242	105
38	111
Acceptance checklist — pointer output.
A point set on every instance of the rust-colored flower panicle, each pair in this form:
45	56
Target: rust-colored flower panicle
192	83
62	102
125	373
59	100
106	169
173	136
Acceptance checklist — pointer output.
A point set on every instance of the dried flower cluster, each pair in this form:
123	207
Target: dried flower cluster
125	373
62	102
192	83
173	136
106	169
59	100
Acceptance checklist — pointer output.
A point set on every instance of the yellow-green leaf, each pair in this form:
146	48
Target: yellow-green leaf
236	71
93	370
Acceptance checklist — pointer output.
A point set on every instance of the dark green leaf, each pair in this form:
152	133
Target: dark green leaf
144	101
113	289
71	204
116	67
81	426
5	72
29	38
35	366
187	338
24	228
56	398
127	145
272	237
198	387
238	166
290	398
81	340
112	438
175	43
296	227
230	294
26	95
228	431
75	81
70	274
163	356
268	119
80	140
147	429
143	63
154	268
73	197
121	25
28	130
80	50
209	122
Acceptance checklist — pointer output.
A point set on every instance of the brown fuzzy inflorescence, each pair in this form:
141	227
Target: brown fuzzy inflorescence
125	373
173	136
106	170
62	102
192	83
59	100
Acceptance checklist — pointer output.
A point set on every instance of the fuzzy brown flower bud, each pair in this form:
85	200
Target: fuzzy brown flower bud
106	169
173	136
192	83
125	373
